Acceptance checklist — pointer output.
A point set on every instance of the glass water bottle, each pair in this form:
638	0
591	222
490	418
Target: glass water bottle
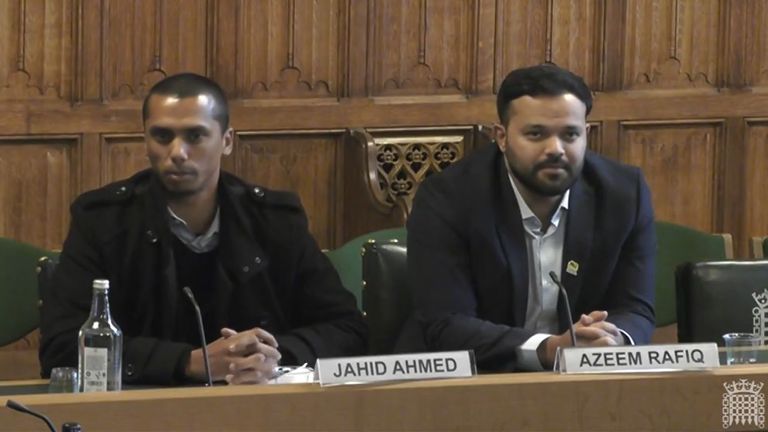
100	345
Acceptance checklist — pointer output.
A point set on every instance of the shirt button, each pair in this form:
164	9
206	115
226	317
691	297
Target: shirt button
246	269
257	260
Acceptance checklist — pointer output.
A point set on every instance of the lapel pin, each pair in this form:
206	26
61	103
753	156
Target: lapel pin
572	268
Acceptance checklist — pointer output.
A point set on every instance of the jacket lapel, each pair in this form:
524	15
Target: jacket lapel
578	245
509	227
242	257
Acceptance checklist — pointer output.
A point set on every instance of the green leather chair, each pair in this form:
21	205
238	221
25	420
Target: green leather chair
347	259
717	297
386	297
18	289
759	247
678	245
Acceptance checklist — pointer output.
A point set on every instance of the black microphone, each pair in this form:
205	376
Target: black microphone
564	295
200	328
21	408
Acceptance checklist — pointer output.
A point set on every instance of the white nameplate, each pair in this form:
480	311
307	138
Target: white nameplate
645	358
356	370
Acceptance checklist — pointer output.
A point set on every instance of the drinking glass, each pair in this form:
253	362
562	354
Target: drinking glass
741	348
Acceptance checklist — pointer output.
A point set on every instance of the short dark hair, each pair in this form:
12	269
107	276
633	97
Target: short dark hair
189	84
542	80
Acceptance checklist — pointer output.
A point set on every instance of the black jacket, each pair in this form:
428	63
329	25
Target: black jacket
270	274
468	264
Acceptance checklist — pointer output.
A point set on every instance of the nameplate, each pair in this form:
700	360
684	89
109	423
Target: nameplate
645	358
367	369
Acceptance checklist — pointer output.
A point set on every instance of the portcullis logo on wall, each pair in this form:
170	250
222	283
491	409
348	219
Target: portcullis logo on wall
743	404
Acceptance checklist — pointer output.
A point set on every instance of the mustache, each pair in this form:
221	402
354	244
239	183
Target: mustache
552	163
181	171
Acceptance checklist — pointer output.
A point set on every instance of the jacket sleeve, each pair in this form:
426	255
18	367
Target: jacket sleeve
67	306
327	322
444	294
631	293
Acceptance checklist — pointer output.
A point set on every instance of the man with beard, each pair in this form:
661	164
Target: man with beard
485	234
267	293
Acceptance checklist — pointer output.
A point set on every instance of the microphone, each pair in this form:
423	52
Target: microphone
200	328
564	295
21	408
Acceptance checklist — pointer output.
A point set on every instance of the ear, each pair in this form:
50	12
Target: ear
500	136
589	126
229	141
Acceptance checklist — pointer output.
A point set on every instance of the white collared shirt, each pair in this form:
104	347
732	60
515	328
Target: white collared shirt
545	254
202	243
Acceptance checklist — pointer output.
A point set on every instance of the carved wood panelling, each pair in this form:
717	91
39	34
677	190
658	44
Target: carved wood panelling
568	33
38	181
576	30
397	161
145	40
672	44
595	137
122	156
420	47
682	163
35	49
300	162
521	35
381	64
755	169
757	43
279	48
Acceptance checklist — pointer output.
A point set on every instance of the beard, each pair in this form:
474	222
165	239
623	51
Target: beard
549	187
177	194
179	190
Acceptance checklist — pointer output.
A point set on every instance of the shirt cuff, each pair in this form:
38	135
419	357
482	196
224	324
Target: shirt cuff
627	338
528	358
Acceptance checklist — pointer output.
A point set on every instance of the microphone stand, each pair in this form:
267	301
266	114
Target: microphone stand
564	295
16	406
201	329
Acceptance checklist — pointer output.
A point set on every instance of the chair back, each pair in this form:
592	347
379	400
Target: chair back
386	298
347	258
677	244
45	268
759	247
714	298
18	289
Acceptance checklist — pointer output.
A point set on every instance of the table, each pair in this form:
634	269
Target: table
684	401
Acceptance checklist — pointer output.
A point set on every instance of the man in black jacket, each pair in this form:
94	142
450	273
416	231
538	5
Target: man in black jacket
266	291
486	233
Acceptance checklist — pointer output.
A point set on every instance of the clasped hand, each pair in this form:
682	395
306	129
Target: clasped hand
248	357
591	330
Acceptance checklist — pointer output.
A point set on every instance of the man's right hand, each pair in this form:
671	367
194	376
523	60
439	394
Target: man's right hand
239	358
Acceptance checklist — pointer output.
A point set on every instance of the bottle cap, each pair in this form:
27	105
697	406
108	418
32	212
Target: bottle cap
71	427
102	284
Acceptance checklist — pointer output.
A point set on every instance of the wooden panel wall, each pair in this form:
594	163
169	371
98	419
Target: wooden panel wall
681	90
